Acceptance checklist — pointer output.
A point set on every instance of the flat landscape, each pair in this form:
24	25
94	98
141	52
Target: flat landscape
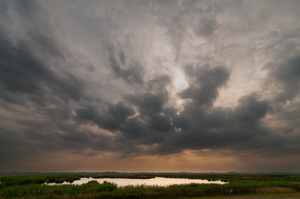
138	99
237	186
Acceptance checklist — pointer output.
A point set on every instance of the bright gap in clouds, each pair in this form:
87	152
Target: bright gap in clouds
179	80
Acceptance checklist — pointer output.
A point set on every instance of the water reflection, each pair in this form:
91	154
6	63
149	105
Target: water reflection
159	181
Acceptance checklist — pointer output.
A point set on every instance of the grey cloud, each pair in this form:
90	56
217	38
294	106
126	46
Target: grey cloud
171	18
207	27
22	70
58	113
160	123
134	72
139	132
204	83
4	7
181	122
217	128
120	111
151	125
158	85
152	103
251	110
134	129
183	18
122	57
286	77
40	31
148	102
47	44
111	119
28	8
88	113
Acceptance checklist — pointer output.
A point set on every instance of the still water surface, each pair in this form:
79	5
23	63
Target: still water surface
159	181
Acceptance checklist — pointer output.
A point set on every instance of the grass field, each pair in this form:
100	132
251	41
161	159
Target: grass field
257	196
263	193
239	186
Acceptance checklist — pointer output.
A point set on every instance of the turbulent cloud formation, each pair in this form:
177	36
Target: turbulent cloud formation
155	83
204	83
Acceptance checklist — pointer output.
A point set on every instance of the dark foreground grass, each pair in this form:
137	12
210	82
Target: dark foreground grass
294	195
30	186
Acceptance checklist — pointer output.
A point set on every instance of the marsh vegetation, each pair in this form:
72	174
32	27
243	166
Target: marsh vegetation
30	186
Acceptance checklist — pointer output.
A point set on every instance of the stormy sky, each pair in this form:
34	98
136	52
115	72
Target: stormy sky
150	85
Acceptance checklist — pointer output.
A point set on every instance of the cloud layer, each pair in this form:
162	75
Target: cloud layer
128	81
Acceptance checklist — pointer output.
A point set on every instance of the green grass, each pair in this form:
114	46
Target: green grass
30	186
261	196
35	190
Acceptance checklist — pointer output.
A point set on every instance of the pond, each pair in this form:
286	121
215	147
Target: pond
159	181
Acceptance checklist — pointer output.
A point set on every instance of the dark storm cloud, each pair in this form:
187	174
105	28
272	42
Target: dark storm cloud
151	125
134	129
285	75
23	70
31	80
217	128
152	104
111	119
148	102
250	111
155	97
196	126
204	83
160	123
